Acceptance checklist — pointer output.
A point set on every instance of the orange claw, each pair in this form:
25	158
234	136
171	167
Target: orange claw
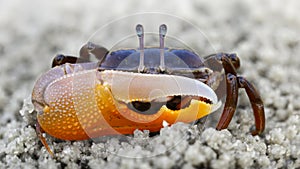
92	111
108	119
90	104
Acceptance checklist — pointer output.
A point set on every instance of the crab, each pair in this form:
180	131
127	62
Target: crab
129	89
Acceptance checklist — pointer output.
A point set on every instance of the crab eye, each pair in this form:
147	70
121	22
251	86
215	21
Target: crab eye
140	34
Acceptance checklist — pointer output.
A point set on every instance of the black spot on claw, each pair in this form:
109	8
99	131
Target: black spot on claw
175	103
145	108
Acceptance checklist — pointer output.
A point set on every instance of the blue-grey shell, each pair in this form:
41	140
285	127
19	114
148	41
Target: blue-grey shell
128	59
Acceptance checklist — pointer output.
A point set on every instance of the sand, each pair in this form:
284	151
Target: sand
265	34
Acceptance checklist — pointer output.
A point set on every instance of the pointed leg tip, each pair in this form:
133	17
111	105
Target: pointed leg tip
257	132
40	132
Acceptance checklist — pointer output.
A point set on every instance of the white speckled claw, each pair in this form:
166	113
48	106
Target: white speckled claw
53	75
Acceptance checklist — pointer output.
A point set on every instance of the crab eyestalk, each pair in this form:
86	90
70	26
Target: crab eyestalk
162	34
140	33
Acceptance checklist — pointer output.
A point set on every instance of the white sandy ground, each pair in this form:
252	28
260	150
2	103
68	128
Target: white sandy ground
265	34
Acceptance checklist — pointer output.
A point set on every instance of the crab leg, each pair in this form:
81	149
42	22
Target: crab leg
230	103
61	59
39	131
256	103
90	48
232	93
234	82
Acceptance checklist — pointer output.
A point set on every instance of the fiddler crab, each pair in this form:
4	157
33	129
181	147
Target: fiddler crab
129	89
